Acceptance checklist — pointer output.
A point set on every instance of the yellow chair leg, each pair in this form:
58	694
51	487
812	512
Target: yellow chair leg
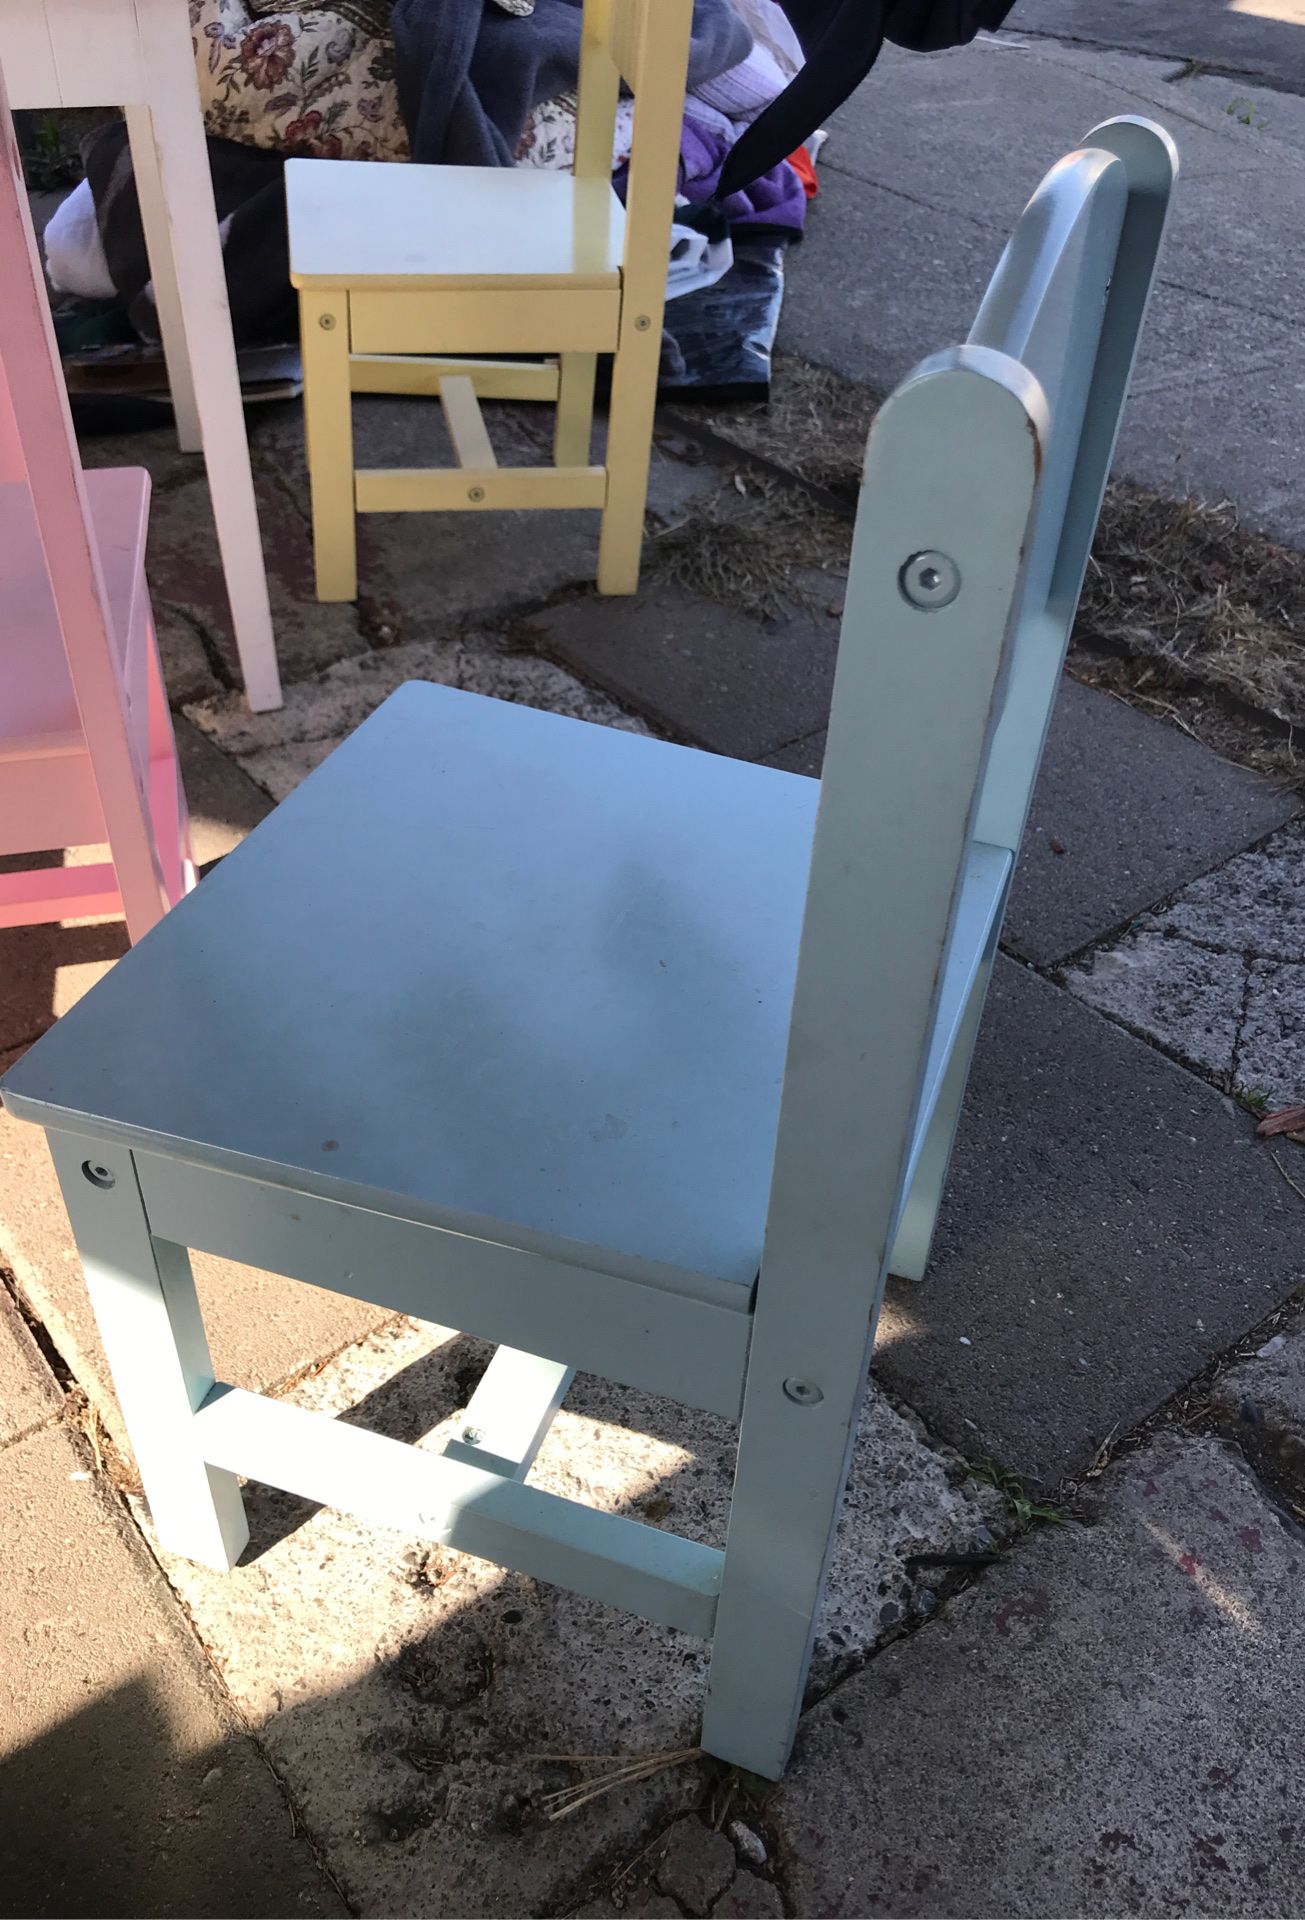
629	451
328	428
575	409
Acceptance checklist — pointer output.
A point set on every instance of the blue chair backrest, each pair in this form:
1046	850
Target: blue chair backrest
983	482
1067	301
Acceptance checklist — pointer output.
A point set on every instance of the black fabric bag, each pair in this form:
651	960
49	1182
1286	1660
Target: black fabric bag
841	40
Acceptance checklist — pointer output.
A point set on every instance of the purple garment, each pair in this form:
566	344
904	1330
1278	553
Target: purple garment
773	199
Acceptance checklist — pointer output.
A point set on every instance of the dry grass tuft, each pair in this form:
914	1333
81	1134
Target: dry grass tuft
759	546
617	1771
814	425
1198	612
1187	589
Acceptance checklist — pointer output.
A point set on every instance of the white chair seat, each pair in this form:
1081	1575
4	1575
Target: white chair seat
360	220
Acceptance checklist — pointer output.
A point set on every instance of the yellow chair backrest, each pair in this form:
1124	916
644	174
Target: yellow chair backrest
644	43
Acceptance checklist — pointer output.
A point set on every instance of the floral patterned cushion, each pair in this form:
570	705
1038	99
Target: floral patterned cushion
316	77
306	78
373	16
549	138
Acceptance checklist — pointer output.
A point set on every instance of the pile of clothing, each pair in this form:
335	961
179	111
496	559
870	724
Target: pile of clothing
491	83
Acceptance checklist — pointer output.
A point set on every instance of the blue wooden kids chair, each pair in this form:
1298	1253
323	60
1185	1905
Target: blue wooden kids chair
650	1063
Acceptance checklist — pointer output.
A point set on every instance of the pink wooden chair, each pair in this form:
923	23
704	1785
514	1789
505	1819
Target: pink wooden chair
87	753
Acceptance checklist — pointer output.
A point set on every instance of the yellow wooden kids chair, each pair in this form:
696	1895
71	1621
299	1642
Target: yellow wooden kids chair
393	262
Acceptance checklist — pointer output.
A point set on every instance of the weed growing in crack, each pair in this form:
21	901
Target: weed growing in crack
1028	1512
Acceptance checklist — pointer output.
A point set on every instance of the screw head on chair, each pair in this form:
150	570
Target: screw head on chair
930	580
804	1392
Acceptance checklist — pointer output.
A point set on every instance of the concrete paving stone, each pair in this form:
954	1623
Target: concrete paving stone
702	671
225	804
126	1784
694	1865
1265	38
185	573
1253	905
749	1897
924	273
891	129
1217	975
748	1844
925	269
406	1693
890	132
1271	1044
1276	119
1100	1726
903	197
262	1328
1177	440
188	672
1139	809
431	573
1242	1021
47	969
1263	1399
1231	237
154	448
278	750
1190	337
639	1904
806	755
1110	1225
29	1393
1186	998
909	280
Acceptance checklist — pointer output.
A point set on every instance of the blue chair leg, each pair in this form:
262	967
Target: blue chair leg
143	1293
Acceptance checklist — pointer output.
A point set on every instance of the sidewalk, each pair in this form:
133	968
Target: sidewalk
1105	1720
127	1785
927	167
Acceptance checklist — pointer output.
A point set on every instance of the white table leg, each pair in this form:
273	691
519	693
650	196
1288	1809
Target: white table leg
186	202
167	297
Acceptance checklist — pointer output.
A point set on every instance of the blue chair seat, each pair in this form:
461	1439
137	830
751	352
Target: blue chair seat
489	968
